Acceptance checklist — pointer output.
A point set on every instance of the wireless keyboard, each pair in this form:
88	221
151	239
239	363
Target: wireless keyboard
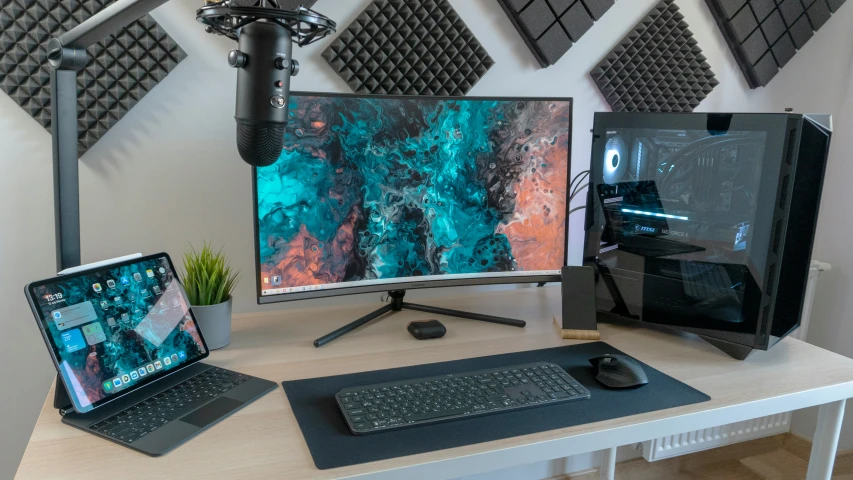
422	401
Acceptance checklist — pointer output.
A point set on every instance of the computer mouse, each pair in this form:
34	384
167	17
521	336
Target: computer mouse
619	371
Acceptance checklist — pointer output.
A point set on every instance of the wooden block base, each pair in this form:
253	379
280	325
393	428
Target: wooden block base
575	334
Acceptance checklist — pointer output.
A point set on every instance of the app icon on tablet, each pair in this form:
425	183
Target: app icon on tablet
167	361
111	283
125	378
96	287
150	368
134	375
117	382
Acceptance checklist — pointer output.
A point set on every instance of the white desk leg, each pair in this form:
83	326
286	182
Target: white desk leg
608	464
825	442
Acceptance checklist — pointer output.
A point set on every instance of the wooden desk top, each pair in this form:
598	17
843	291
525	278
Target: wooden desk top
264	440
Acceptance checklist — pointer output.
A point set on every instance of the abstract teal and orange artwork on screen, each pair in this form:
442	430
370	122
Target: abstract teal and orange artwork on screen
373	188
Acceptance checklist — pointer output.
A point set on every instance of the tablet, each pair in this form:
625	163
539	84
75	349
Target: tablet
116	328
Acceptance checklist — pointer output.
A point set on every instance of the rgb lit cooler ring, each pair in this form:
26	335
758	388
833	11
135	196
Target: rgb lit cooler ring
615	160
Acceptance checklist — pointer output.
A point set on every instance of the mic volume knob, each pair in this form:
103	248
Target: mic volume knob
237	59
282	63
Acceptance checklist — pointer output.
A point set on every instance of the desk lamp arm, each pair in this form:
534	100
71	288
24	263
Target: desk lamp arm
67	56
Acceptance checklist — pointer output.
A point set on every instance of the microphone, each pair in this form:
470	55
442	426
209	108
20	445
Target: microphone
264	63
264	67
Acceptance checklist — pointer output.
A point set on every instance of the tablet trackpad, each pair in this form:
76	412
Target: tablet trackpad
212	412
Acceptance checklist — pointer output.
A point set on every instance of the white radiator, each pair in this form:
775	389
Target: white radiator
695	441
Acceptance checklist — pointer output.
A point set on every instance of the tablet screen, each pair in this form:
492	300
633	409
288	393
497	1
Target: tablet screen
117	327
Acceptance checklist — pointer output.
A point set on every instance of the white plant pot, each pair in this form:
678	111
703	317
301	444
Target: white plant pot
214	322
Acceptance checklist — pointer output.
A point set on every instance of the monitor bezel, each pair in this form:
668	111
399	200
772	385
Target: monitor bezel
461	282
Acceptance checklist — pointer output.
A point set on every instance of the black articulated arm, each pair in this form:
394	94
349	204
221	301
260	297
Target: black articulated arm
67	55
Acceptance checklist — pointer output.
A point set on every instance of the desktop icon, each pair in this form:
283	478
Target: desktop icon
156	290
266	280
150	368
142	371
124	281
117	300
161	270
117	382
134	375
158	365
96	287
276	280
150	273
111	283
182	355
105	304
124	317
108	386
111	321
57	314
137	277
125	378
174	357
167	361
94	333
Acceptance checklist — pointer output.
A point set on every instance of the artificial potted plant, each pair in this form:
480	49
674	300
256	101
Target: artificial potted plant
209	280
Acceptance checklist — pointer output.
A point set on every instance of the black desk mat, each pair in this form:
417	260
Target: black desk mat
332	445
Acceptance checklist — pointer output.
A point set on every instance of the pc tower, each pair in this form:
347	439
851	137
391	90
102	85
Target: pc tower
705	223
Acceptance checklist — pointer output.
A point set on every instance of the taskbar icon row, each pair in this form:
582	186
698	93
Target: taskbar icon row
126	379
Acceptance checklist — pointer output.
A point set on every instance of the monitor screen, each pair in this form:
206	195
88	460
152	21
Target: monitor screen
382	193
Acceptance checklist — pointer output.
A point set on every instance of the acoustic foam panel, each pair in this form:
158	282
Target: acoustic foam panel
120	71
551	27
411	47
657	67
764	35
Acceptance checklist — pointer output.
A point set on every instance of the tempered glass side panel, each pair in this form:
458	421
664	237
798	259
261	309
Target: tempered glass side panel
682	217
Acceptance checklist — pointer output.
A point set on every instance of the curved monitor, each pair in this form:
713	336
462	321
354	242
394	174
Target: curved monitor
377	193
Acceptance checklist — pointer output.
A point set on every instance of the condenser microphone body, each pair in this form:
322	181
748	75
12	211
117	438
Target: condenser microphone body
264	65
265	31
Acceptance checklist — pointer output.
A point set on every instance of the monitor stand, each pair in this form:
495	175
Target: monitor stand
398	304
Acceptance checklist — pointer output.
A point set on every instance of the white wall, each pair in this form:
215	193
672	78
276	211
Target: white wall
169	173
